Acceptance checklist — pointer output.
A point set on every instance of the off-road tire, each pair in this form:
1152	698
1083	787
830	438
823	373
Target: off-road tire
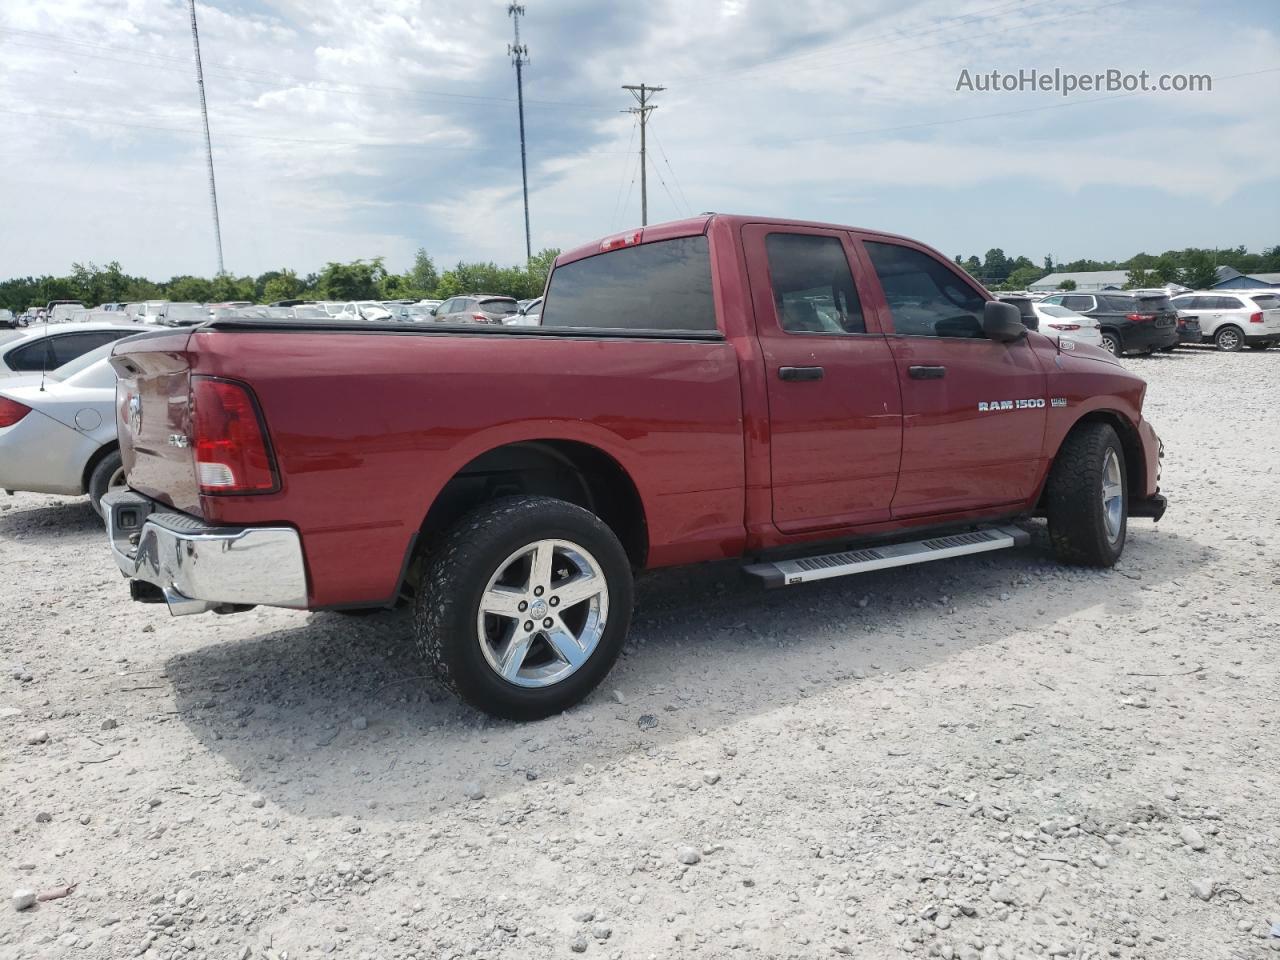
1228	339
458	567
100	479
1073	498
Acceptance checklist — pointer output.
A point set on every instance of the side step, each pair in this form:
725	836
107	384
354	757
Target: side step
784	573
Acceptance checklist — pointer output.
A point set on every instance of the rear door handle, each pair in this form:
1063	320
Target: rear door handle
800	373
927	373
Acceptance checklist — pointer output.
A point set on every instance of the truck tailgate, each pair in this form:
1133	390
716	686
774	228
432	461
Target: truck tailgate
153	419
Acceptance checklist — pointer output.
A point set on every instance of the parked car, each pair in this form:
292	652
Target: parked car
1128	322
8	320
185	314
1068	324
32	350
529	315
522	475
1233	319
410	312
476	308
150	311
59	436
363	310
60	311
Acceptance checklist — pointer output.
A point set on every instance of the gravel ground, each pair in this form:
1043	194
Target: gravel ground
980	758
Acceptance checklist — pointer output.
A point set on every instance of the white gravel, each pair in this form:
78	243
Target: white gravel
905	764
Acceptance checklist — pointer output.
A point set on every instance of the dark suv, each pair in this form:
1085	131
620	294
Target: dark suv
1128	322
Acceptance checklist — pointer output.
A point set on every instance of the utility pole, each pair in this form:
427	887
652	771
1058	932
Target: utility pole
208	143
642	92
519	54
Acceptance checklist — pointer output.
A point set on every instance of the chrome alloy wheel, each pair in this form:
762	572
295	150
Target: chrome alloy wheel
1112	495
542	613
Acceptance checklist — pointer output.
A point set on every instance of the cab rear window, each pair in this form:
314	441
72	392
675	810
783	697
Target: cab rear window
659	286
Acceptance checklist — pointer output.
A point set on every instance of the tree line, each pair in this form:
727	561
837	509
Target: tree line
1192	267
357	280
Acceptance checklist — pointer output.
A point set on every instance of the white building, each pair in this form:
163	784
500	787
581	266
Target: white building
1088	280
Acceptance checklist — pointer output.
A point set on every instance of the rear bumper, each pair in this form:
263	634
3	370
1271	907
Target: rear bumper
1271	336
1152	507
194	567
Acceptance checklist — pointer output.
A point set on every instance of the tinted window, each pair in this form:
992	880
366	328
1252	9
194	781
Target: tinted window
926	298
33	356
1267	302
664	285
1153	304
1183	303
70	346
1226	303
1078	302
501	308
813	289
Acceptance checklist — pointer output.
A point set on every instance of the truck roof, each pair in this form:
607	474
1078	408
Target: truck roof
692	227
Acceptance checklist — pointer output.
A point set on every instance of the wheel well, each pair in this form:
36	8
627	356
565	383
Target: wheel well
576	472
98	456
1135	463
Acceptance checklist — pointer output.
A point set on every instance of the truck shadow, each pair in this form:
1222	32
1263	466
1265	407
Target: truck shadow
338	718
65	517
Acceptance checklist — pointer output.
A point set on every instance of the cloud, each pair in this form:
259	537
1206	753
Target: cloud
346	130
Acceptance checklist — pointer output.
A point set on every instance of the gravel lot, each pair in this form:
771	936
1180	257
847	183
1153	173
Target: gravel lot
980	758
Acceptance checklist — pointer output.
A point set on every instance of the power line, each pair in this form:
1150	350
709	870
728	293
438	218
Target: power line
617	200
674	178
641	92
519	54
208	142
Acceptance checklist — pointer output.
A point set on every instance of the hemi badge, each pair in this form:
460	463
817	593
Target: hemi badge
178	440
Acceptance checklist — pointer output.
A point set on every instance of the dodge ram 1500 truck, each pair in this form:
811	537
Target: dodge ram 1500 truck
815	400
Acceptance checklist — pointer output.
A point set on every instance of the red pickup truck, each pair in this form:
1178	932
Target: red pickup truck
816	400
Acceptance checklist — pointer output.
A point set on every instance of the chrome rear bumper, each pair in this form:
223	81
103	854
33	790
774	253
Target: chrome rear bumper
194	567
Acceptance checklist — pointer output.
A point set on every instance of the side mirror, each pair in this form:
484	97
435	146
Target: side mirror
1002	322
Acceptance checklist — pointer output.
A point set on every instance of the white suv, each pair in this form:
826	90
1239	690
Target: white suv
1232	319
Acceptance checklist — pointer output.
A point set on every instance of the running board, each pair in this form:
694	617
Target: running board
784	573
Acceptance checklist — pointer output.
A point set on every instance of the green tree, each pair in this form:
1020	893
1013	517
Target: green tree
197	289
358	280
285	285
1023	277
1067	285
1197	270
995	267
1138	278
423	275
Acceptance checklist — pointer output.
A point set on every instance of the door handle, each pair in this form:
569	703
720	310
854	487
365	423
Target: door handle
927	373
800	373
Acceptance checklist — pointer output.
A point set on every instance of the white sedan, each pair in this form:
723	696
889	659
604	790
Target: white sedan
60	436
1056	321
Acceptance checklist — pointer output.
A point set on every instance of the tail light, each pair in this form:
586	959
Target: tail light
231	451
1255	317
1141	318
11	411
481	318
1064	326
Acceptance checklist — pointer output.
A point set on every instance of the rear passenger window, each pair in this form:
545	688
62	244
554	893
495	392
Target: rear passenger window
926	299
1227	303
1078	302
813	289
665	285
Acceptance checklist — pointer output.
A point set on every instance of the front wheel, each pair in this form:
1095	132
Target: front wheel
524	606
1228	339
1087	497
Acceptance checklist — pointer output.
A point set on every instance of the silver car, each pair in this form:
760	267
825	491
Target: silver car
30	350
59	435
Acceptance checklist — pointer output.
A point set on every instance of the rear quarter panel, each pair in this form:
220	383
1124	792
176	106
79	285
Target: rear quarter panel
368	427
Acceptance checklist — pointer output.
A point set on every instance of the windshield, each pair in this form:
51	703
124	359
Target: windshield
186	313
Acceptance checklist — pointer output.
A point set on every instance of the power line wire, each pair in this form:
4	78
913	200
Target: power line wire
613	220
674	178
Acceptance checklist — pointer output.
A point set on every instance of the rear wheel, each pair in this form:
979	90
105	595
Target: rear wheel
1229	339
524	606
1111	342
108	475
1087	497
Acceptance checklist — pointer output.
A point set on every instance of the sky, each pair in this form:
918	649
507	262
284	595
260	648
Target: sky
345	129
